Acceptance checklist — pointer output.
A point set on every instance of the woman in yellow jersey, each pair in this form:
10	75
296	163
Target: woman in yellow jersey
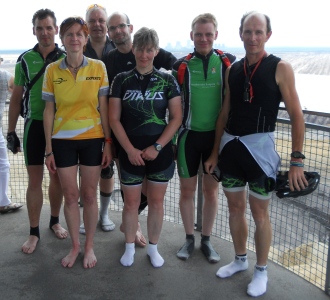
77	132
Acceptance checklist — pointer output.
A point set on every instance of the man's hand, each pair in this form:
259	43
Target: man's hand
211	163
13	143
297	179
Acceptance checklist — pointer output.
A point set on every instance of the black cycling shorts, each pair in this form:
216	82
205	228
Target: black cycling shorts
238	167
34	142
159	170
68	153
193	146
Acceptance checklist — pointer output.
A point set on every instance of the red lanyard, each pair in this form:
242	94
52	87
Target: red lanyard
248	77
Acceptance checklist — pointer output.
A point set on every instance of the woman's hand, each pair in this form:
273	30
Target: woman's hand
149	153
50	163
135	157
106	155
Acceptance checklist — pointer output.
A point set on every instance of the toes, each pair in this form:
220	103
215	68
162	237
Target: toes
140	239
59	231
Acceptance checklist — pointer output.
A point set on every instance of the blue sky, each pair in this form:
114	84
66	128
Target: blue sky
295	23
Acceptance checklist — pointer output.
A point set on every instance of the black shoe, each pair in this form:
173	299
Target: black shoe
211	255
187	248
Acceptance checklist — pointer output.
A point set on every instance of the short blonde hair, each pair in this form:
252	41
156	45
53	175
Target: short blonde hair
146	37
205	18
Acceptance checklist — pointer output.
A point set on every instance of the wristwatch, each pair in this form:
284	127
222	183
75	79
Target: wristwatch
158	147
297	154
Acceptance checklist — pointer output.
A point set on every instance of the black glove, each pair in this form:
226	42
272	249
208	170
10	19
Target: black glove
13	142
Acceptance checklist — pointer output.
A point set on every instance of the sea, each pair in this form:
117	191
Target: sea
311	68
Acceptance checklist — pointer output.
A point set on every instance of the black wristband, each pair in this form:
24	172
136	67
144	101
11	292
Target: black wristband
297	154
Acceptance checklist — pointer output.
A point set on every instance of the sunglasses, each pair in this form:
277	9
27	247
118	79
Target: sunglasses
95	6
248	90
216	174
74	20
120	26
248	94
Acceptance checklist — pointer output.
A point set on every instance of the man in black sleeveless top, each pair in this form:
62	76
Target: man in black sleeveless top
245	140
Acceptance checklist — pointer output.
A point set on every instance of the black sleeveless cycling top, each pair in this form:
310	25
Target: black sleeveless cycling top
260	115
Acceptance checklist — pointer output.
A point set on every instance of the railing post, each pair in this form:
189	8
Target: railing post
200	198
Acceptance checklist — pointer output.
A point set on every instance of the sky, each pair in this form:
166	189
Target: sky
294	23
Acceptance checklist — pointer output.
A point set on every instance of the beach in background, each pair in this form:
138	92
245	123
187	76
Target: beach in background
312	73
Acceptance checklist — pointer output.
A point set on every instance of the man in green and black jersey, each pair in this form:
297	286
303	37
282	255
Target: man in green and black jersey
28	65
202	89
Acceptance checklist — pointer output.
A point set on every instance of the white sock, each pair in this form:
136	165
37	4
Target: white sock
239	264
82	228
258	285
128	258
156	260
104	206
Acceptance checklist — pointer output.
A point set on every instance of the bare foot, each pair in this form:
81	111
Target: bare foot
30	245
70	259
140	240
59	231
89	259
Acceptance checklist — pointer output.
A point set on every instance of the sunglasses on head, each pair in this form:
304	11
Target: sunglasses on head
74	20
95	6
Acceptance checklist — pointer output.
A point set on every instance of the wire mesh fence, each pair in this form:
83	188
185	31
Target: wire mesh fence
300	225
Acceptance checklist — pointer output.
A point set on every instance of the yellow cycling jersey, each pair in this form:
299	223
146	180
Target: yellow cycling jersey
76	100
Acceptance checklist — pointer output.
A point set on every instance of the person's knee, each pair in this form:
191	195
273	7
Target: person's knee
156	203
106	185
236	211
260	217
132	201
89	197
259	208
107	173
237	208
187	191
34	186
35	179
71	197
210	195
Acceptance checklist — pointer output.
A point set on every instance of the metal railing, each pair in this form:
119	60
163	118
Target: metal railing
300	240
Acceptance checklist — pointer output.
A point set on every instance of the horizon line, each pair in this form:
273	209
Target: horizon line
222	46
